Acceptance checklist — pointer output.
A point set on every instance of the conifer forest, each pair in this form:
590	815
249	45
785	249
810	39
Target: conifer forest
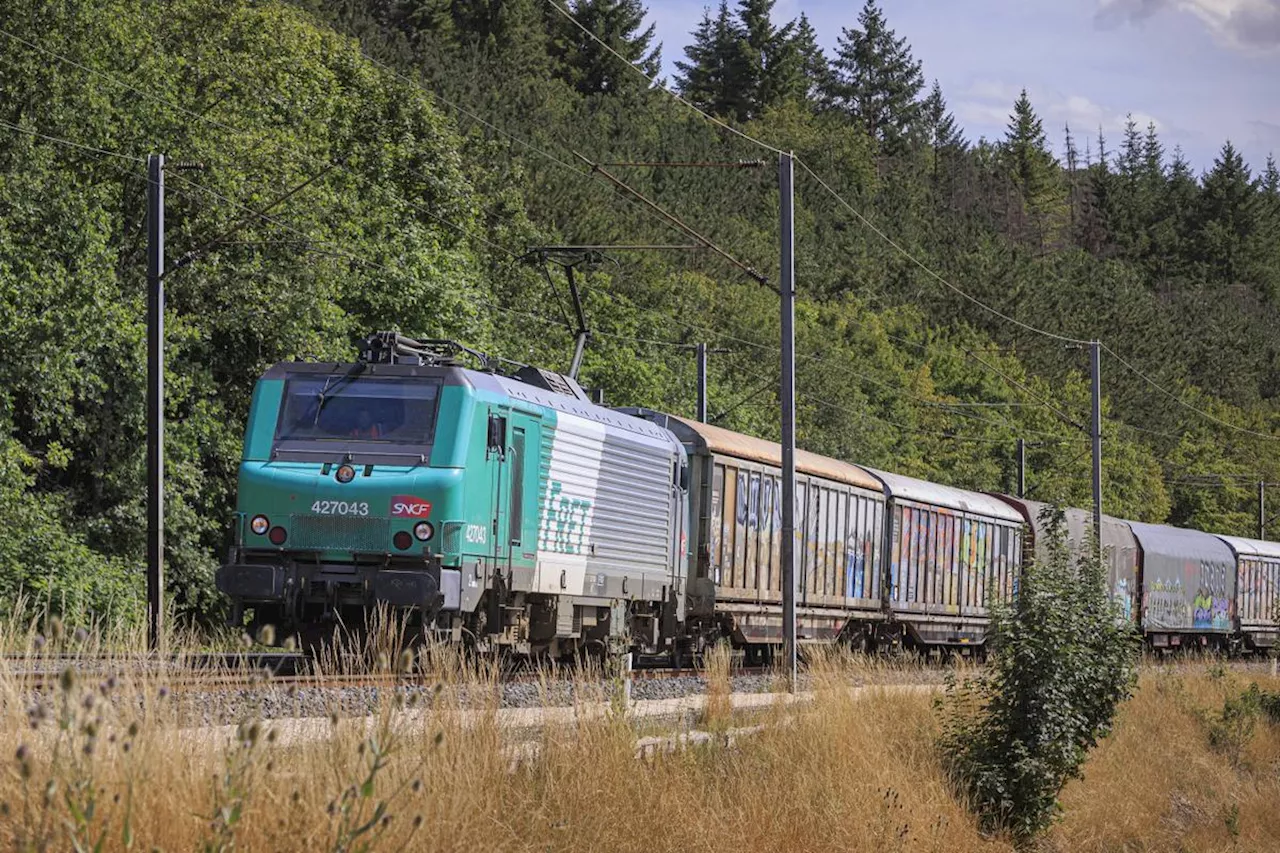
389	164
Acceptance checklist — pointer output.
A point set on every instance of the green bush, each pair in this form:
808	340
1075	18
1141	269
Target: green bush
1063	662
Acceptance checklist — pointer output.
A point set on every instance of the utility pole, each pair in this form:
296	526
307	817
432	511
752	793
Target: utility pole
786	175
1262	510
1022	468
702	383
155	399
1095	369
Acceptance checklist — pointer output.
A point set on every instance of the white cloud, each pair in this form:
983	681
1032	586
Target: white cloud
1249	25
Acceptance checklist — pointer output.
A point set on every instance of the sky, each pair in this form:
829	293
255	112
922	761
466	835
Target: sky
1204	71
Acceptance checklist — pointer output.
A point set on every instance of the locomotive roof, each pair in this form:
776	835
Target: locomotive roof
1164	540
520	390
922	491
716	439
1252	547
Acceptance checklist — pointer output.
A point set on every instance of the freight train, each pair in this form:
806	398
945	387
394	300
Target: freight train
510	511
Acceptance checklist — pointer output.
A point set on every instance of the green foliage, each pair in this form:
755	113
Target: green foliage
895	370
1064	660
589	67
361	246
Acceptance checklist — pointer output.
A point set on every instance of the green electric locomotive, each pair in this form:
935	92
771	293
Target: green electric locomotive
504	510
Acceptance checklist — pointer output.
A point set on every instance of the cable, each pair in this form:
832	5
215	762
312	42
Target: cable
743	400
435	94
242	132
656	83
266	217
972	356
976	439
67	142
1185	404
1154	432
930	272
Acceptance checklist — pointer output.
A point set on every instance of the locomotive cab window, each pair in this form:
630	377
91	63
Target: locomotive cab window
345	408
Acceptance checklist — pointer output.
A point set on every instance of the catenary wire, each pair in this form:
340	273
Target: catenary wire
70	144
243	132
656	83
1185	404
568	15
929	271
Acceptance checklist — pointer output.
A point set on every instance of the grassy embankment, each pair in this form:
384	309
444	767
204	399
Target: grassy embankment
846	773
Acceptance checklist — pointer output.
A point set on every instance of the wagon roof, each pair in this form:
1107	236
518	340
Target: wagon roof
922	491
729	443
1031	513
1252	547
1180	542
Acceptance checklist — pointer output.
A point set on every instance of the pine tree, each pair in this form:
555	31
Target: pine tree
1129	160
1267	238
1172	250
1096	236
941	131
715	66
1226	217
1087	228
589	67
815	70
1271	178
1152	156
877	82
771	64
517	32
1032	169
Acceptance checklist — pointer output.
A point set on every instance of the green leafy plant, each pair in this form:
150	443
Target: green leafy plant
1063	662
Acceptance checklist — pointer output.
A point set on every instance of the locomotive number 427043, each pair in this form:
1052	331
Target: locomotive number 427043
340	508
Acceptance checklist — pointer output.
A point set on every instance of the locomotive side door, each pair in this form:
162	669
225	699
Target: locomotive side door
499	457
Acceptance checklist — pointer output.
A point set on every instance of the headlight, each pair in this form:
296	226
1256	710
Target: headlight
422	531
345	474
260	524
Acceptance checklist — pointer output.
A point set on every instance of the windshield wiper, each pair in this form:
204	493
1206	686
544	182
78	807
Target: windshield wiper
348	377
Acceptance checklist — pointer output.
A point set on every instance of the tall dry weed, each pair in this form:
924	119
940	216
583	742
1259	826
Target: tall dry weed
853	771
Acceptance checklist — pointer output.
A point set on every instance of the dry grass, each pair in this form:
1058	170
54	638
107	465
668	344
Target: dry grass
108	758
1156	785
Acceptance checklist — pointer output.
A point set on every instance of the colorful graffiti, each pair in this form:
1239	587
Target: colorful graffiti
938	557
1123	596
1166	604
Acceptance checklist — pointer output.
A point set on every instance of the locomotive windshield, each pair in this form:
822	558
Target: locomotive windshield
348	408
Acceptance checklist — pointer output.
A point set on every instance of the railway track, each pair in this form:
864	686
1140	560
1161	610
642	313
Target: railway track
230	671
234	670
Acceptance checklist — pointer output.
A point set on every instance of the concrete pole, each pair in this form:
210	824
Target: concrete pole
155	400
1095	368
786	177
1022	468
702	383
